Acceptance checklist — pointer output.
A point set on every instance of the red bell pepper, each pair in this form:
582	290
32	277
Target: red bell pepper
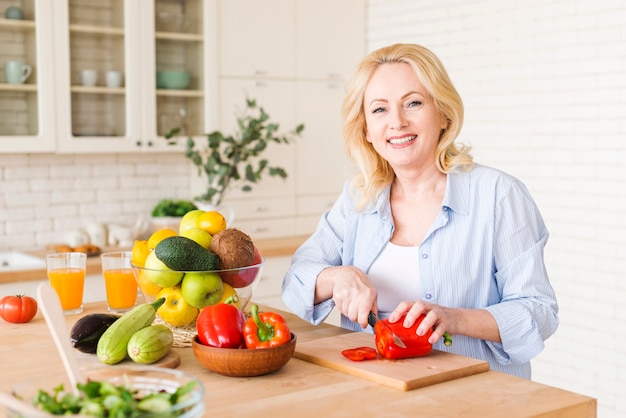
416	345
221	325
360	353
264	330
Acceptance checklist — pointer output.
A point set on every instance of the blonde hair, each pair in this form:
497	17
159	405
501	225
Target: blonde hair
374	172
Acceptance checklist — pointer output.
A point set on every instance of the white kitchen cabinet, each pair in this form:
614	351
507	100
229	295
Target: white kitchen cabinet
54	111
27	122
296	69
330	38
256	38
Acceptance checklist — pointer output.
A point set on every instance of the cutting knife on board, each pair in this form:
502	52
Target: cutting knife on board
372	319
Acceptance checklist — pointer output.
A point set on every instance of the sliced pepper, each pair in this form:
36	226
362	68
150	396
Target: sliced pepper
360	353
221	325
266	329
416	345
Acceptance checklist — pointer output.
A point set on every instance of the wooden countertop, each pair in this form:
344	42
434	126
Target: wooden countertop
307	390
268	247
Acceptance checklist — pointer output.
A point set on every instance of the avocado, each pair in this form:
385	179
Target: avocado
184	254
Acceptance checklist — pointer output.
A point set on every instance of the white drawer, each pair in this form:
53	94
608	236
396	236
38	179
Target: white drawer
268	228
246	209
315	204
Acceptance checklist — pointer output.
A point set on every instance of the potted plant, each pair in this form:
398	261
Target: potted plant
224	159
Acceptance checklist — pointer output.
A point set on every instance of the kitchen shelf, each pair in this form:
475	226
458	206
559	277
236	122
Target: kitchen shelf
175	36
17	24
98	90
18	87
98	30
180	93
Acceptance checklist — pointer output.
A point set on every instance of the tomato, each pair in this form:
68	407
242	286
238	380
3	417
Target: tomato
18	309
360	353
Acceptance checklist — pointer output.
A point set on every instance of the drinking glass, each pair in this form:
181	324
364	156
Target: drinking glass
66	272
119	281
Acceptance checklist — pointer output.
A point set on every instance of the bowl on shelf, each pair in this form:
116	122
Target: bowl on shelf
143	379
243	362
170	22
176	80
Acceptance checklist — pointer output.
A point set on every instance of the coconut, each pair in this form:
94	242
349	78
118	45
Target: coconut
234	248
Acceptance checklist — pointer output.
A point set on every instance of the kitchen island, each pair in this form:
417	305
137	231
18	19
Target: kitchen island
303	389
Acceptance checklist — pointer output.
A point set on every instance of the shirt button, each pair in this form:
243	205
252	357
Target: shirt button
428	296
445	208
424	256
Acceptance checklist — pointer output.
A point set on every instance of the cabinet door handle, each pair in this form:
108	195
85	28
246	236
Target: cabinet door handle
260	229
260	84
260	72
138	143
258	209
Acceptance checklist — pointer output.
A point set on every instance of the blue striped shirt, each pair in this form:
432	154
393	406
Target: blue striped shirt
484	250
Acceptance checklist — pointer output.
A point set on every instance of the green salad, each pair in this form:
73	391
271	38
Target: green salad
103	399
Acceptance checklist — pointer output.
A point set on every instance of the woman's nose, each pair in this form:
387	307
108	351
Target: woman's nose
397	119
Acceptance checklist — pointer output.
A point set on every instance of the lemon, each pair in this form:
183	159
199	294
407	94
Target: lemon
189	220
140	252
147	287
212	222
159	236
175	310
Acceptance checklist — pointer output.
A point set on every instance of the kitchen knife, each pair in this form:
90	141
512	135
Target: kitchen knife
372	319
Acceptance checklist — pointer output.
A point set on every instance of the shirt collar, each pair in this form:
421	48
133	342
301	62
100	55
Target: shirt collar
455	198
457	192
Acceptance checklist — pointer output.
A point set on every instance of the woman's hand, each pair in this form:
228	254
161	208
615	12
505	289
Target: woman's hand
476	323
350	289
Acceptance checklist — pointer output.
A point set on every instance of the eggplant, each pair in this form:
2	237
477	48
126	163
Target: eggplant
87	331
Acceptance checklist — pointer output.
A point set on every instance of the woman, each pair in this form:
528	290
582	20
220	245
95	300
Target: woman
421	229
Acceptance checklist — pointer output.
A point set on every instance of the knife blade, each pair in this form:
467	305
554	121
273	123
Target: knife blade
372	319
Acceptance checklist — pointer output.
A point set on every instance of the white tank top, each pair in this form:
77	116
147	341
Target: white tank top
395	275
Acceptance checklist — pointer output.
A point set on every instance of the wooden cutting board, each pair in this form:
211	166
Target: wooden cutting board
403	374
170	361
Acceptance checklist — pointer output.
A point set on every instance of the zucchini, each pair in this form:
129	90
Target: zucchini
112	346
150	344
87	331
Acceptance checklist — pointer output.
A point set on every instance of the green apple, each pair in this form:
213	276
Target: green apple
202	288
158	273
198	235
189	220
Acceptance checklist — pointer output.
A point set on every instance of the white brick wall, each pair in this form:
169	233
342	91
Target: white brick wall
42	197
544	84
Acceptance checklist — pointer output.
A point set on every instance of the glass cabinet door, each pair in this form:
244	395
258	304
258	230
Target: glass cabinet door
26	111
179	62
98	77
156	48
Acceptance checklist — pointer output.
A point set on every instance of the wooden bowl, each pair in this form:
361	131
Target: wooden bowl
243	362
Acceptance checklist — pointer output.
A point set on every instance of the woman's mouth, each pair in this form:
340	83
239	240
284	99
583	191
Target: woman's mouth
402	140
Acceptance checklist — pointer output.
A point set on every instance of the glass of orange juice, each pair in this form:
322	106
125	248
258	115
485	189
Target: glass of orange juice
66	272
119	281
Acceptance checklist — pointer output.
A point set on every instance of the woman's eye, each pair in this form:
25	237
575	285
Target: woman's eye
414	103
378	110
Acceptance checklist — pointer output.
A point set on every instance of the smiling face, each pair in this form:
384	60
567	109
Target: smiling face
402	122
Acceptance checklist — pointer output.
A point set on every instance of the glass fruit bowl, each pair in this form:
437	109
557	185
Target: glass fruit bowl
144	379
199	286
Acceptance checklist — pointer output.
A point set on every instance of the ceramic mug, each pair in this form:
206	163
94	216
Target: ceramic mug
88	77
14	12
16	72
113	79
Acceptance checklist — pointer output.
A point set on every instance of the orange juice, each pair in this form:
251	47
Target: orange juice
69	284
121	288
